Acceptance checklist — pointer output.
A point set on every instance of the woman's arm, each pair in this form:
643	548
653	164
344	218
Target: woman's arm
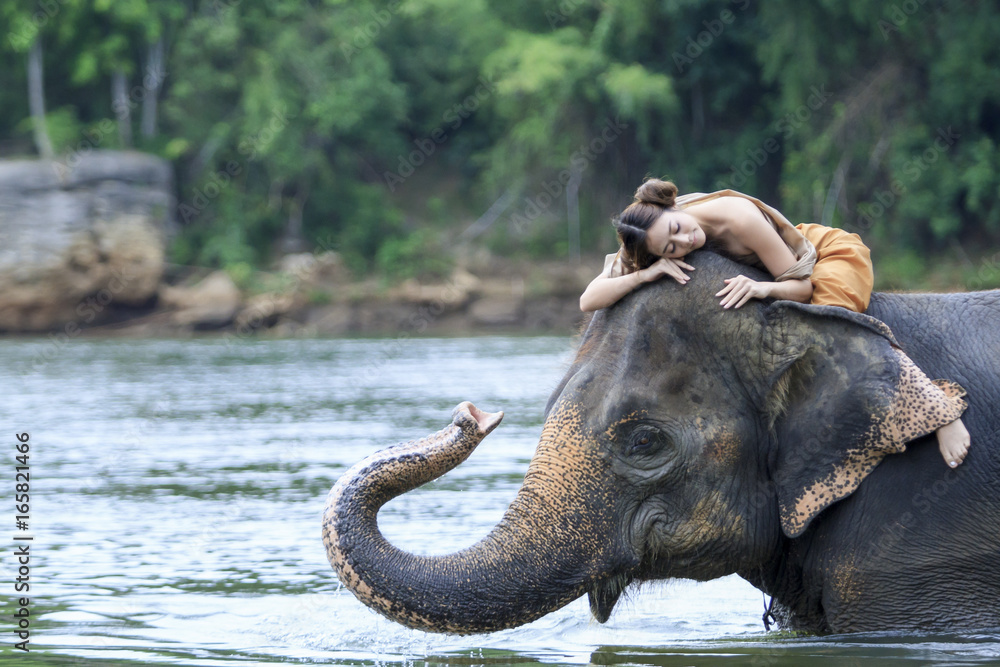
741	289
800	290
604	290
758	235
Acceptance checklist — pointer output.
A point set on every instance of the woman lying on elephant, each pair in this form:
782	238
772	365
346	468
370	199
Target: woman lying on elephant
810	263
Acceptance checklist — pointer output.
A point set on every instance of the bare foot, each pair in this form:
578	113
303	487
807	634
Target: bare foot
953	441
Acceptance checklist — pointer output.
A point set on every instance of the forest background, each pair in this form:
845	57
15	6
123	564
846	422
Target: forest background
407	134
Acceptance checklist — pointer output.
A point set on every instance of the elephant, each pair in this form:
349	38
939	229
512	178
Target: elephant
691	441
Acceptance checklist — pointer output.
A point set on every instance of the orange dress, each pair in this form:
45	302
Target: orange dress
842	275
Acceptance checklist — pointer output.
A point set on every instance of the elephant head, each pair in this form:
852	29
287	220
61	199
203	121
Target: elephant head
685	440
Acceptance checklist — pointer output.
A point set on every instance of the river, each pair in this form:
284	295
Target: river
176	489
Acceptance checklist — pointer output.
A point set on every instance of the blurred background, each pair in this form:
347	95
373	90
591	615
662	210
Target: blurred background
322	155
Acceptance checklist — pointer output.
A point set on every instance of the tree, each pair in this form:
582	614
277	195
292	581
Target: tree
27	25
289	108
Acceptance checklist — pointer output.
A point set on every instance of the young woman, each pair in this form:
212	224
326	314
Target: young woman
810	263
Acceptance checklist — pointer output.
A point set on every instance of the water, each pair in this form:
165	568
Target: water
177	488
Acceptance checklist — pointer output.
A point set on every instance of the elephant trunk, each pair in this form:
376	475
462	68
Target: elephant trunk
551	546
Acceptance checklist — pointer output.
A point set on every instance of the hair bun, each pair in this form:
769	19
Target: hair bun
655	191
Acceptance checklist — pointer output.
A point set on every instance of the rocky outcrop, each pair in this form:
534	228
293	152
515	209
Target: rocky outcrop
82	251
210	304
462	304
81	237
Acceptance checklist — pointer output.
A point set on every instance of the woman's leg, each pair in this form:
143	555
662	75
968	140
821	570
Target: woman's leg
931	406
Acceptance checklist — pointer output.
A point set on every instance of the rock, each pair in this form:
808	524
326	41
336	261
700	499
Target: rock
307	267
286	328
300	265
210	304
464	280
333	320
262	311
80	237
450	296
330	266
394	318
495	311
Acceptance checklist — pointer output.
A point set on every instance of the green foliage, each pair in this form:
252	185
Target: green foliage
291	122
64	128
915	136
419	254
241	273
637	93
545	86
318	297
227	245
901	270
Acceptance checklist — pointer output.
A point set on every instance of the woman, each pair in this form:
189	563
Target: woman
810	263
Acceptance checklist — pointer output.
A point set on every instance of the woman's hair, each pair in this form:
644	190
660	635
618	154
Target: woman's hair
652	198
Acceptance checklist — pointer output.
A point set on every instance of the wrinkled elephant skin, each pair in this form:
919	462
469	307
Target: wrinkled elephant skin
687	440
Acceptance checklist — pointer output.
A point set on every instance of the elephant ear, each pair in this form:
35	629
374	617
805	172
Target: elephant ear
842	396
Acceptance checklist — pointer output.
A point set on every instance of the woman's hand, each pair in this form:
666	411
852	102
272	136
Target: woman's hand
741	289
666	267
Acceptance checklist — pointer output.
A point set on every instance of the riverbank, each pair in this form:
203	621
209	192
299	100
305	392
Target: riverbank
86	252
309	295
313	295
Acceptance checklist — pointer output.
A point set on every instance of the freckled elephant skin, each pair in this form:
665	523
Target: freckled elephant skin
917	546
686	440
550	547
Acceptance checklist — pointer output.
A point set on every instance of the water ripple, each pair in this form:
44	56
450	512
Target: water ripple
177	488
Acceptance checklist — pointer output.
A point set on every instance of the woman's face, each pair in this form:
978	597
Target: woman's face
674	234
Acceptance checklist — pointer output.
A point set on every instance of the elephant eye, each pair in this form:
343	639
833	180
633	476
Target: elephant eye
645	441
